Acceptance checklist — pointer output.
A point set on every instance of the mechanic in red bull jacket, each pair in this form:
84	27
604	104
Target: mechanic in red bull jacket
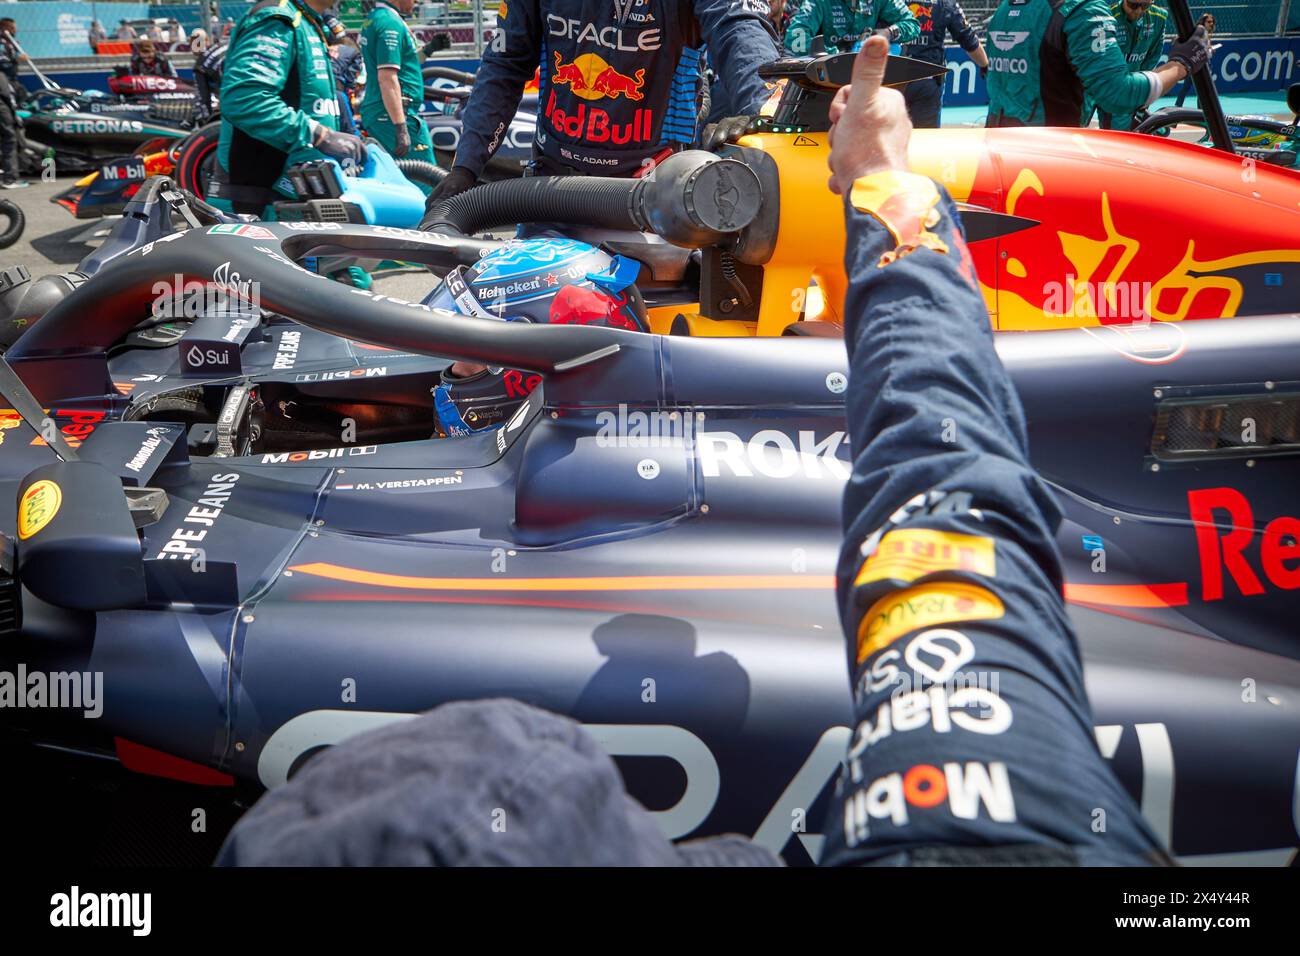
619	80
972	740
938	19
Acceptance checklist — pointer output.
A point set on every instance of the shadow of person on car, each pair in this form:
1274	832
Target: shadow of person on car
653	676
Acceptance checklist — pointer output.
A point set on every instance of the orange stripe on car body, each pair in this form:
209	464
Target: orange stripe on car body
649	582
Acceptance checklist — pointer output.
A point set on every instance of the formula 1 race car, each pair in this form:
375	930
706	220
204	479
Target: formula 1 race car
81	130
226	506
1259	137
127	85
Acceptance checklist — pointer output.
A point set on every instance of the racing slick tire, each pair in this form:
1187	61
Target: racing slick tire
15	223
196	158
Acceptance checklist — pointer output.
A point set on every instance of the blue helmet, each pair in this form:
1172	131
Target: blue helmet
548	281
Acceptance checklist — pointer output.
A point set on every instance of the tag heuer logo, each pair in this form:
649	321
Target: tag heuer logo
1006	39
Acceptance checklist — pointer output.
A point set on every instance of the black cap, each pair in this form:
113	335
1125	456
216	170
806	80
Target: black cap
476	783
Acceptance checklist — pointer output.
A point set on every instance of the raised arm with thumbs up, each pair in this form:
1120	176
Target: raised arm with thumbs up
972	737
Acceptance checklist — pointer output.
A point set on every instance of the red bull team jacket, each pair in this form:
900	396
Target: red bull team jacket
619	78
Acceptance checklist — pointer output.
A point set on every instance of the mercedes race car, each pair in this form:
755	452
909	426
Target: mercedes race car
81	130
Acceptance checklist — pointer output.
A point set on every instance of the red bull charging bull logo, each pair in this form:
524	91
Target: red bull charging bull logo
591	78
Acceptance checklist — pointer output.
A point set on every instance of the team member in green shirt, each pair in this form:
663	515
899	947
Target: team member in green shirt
1141	25
390	110
1047	57
278	105
842	23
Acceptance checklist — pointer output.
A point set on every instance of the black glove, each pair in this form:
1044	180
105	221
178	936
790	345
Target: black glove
457	181
1194	52
403	144
342	146
334	29
726	130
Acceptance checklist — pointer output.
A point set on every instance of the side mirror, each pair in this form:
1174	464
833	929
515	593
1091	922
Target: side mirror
77	544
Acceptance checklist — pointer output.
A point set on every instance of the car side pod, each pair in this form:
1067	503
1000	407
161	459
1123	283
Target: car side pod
76	542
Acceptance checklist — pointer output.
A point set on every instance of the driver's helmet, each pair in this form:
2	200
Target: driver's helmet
552	280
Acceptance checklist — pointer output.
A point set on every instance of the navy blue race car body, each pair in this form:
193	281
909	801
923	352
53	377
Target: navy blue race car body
258	543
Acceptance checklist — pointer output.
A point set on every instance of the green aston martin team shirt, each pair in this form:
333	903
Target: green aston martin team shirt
842	22
386	42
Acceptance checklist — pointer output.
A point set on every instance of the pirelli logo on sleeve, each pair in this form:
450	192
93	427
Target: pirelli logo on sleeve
926	605
906	554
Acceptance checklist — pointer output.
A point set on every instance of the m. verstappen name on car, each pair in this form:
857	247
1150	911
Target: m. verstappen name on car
200	519
403	484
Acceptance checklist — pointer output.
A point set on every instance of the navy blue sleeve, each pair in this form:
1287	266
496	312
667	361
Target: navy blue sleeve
347	66
972	727
508	63
740	40
960	29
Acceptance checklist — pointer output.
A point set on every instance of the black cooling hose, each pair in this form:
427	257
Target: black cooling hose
693	199
580	200
447	73
421	171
